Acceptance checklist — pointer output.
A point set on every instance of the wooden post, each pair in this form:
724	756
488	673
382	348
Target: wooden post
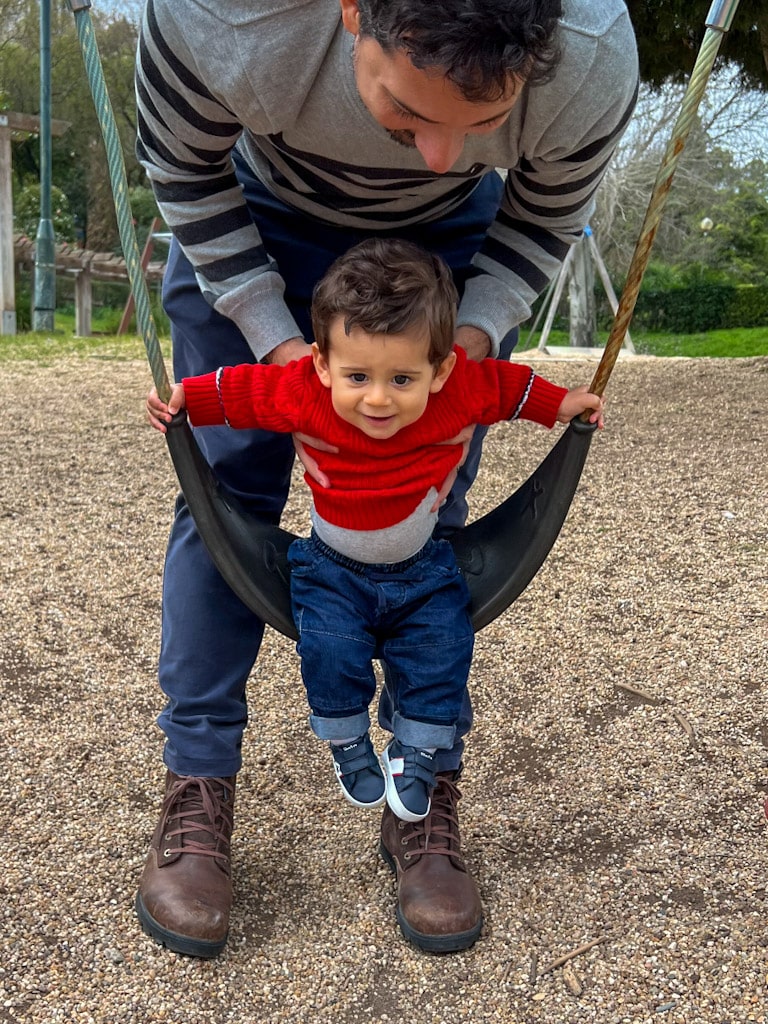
83	303
146	256
7	294
581	294
10	121
562	277
605	278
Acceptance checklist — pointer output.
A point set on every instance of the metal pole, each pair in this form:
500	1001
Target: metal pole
45	247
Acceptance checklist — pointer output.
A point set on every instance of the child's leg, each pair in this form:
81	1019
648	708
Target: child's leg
331	606
428	659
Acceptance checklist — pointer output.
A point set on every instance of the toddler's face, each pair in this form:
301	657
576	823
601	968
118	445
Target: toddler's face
379	383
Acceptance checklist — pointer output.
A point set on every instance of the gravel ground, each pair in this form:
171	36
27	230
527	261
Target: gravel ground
613	798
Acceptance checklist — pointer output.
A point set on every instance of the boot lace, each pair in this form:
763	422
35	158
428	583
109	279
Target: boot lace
438	833
199	818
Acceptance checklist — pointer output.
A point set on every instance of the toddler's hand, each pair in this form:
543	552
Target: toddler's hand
580	400
159	413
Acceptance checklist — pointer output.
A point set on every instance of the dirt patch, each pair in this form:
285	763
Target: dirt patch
590	810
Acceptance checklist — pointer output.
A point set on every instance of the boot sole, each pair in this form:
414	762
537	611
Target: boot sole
203	948
431	943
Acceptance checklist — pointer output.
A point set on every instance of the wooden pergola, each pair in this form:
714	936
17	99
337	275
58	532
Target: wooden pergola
11	124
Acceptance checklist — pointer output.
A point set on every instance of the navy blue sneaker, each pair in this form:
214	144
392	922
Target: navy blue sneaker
359	772
410	776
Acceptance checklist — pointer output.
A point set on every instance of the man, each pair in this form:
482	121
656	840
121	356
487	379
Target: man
277	135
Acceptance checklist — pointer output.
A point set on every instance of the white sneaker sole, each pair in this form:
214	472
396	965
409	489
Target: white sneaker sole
350	799
396	805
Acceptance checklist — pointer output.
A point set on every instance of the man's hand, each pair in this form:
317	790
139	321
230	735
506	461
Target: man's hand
475	342
307	461
463	439
287	351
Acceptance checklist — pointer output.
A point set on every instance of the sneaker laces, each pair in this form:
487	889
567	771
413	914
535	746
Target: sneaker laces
199	816
438	833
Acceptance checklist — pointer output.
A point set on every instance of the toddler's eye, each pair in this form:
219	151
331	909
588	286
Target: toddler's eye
401	378
358	378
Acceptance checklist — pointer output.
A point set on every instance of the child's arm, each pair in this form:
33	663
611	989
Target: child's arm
579	400
158	412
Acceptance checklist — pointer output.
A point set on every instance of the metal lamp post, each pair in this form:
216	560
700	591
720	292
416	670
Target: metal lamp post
45	252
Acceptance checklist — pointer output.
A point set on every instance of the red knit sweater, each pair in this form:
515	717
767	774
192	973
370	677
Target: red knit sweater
374	483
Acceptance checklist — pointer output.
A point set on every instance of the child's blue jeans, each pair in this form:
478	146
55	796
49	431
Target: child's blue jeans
413	615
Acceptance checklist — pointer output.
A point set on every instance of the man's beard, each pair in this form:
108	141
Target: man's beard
403	137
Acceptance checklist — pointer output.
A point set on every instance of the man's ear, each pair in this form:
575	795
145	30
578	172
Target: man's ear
442	373
321	366
350	16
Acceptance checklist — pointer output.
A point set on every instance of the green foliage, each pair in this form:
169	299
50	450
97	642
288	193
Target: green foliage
686	309
669	33
692	299
749	306
144	210
742	343
26	210
79	166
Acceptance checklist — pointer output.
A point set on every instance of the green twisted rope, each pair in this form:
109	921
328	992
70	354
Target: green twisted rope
116	164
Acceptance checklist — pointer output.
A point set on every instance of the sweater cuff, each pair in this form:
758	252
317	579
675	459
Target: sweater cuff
201	397
492	307
259	310
543	401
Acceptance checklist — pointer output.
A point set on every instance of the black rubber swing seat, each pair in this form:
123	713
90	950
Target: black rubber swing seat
499	554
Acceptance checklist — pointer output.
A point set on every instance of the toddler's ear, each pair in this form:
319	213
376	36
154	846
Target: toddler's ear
442	373
321	365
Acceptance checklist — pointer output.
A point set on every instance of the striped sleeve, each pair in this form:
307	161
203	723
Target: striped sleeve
185	140
549	196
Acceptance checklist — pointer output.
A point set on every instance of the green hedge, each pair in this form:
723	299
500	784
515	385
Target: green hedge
693	308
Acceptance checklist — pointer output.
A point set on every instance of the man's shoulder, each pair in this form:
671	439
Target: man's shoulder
595	19
242	13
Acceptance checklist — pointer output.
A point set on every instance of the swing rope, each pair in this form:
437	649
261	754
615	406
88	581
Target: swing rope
119	181
500	553
718	22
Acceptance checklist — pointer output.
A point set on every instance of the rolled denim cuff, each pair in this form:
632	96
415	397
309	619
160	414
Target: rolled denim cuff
351	726
423	734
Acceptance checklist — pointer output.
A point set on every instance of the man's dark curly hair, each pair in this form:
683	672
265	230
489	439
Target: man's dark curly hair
476	44
388	286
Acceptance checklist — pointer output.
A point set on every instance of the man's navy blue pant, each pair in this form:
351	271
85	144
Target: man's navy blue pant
210	640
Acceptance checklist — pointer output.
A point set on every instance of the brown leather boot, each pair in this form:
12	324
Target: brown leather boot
439	906
185	894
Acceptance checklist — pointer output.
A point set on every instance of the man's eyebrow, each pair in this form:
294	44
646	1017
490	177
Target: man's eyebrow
427	120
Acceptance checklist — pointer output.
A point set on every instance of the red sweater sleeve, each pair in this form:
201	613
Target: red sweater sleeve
253	395
496	390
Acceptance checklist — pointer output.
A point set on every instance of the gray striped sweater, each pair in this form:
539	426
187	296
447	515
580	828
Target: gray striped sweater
275	78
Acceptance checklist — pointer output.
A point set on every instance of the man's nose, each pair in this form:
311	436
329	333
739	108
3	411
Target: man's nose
439	149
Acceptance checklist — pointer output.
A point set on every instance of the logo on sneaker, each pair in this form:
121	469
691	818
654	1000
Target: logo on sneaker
426	754
350	746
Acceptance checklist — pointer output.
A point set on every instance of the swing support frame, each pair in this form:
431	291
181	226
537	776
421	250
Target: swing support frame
500	553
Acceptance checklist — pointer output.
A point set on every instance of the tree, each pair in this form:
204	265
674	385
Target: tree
726	151
669	33
79	164
27	213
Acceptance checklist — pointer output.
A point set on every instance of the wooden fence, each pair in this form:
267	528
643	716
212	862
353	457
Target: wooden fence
86	267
